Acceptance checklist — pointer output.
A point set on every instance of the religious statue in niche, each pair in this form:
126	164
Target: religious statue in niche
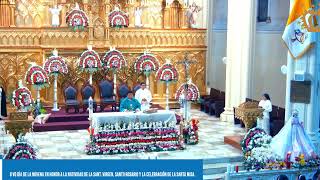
55	12
137	17
192	15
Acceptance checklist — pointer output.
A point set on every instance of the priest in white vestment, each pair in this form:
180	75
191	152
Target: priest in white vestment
143	95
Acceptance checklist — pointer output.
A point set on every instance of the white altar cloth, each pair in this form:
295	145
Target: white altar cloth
102	118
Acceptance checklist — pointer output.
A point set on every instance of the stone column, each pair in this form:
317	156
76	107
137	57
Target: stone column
209	43
309	64
240	52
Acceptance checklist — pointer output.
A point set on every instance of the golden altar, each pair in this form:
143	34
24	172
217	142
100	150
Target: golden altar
26	36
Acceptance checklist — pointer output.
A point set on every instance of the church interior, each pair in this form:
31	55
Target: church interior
163	79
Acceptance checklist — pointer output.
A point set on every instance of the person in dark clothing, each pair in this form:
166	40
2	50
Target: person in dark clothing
3	104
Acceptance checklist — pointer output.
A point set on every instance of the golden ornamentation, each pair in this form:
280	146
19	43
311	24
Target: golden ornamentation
40	41
248	112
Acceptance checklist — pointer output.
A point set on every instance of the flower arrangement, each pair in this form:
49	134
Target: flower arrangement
256	149
146	63
89	61
134	137
167	73
259	155
190	132
55	65
256	137
77	19
193	93
21	150
114	60
118	18
21	98
37	76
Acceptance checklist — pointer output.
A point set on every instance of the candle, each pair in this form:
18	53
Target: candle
288	163
237	168
232	168
288	156
228	168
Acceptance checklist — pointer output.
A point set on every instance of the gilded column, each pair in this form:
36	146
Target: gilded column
63	15
130	8
12	15
240	52
166	17
183	17
107	10
145	13
46	18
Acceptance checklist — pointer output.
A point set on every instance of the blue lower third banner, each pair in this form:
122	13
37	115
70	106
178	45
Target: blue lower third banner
102	169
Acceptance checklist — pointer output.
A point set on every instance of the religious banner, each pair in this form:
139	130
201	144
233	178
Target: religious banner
296	37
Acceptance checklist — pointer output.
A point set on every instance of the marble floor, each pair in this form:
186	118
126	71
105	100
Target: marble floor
70	144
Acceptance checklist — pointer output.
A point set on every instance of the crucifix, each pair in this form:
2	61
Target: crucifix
186	63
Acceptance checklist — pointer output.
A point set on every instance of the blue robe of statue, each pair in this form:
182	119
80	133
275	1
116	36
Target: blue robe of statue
129	104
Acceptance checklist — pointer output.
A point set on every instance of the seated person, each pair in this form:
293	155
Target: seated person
129	103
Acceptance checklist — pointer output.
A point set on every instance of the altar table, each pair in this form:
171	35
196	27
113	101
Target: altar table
129	132
99	119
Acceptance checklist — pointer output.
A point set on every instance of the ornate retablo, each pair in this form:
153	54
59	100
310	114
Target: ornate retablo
29	37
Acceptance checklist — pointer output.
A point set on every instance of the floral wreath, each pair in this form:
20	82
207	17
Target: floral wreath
89	61
55	65
21	97
37	76
77	19
114	60
21	150
167	73
146	63
118	18
193	93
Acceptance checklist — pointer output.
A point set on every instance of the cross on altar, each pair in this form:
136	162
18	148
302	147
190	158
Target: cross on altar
186	105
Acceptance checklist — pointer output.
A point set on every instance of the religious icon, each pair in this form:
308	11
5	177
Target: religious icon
192	15
137	17
55	11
